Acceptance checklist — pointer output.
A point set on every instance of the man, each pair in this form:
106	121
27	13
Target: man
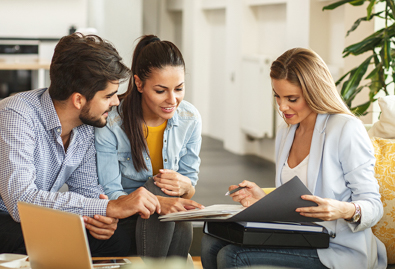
47	140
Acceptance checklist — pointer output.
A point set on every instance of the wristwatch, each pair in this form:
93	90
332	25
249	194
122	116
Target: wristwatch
357	215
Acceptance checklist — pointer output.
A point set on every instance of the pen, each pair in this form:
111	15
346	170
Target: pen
234	190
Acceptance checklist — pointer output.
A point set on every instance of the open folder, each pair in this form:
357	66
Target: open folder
279	205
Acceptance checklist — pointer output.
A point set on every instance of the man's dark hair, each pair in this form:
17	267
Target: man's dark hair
84	64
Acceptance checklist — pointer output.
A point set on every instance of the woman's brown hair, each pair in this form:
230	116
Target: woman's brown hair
150	53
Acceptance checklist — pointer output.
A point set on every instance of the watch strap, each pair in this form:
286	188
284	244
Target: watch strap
357	215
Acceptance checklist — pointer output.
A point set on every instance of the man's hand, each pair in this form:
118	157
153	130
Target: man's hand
170	204
140	201
101	227
174	184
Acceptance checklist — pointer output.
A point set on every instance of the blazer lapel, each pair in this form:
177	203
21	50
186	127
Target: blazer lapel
284	151
317	146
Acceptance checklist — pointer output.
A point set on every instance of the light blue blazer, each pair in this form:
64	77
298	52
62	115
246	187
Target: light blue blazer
341	167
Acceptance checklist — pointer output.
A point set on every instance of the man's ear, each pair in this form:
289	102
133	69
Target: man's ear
78	100
139	83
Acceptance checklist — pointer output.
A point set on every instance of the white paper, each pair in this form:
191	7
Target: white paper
16	264
218	211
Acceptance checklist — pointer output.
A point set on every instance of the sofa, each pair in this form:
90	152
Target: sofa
382	135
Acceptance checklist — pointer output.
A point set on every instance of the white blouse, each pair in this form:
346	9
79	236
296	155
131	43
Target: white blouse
300	171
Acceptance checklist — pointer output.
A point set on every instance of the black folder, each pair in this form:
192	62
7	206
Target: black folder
279	205
237	233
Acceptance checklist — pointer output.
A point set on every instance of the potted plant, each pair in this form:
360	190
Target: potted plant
381	56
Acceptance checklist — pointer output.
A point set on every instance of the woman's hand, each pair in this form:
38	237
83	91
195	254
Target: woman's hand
249	195
327	209
171	205
174	184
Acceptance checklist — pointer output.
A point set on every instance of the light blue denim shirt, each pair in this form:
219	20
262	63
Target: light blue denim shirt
181	146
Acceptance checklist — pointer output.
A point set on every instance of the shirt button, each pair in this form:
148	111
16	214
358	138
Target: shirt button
165	160
147	158
165	141
58	130
128	159
149	177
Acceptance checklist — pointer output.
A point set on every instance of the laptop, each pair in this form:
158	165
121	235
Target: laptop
56	239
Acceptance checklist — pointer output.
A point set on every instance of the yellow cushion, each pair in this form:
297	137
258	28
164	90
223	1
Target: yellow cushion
384	151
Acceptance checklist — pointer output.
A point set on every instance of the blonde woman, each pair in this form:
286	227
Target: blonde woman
328	148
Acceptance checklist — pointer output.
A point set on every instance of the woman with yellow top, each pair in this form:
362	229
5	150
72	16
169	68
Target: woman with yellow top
153	139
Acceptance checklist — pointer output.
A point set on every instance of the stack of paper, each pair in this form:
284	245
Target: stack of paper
214	211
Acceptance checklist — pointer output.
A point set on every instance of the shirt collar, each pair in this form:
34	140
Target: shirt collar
51	117
174	120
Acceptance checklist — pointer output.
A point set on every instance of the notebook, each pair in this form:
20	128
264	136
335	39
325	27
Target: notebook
55	239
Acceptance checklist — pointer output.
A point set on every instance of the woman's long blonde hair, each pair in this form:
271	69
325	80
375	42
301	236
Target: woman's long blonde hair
305	68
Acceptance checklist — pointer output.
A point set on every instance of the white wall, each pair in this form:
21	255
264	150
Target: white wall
120	22
41	18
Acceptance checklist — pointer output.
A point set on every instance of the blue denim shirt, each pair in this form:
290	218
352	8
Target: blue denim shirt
181	147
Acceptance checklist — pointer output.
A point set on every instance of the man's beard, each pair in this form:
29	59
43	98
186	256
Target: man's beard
86	118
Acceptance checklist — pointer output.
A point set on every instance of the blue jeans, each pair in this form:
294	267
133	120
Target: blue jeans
156	239
220	254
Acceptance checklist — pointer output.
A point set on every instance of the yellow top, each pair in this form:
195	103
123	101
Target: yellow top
155	145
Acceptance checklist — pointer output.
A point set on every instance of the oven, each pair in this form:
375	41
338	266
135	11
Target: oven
24	64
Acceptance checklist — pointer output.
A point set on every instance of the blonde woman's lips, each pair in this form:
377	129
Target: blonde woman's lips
288	116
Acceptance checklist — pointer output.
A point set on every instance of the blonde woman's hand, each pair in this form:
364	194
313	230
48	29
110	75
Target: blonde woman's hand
174	184
327	209
249	195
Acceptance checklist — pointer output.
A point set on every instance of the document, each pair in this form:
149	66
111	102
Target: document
214	211
279	205
286	226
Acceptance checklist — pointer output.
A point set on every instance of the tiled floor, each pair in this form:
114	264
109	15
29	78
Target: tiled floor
220	169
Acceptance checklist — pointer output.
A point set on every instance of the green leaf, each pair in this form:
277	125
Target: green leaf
374	89
357	2
365	45
391	4
358	22
375	71
337	4
361	109
386	53
370	8
356	75
340	79
357	90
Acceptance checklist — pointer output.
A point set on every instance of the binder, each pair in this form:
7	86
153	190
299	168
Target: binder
237	233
